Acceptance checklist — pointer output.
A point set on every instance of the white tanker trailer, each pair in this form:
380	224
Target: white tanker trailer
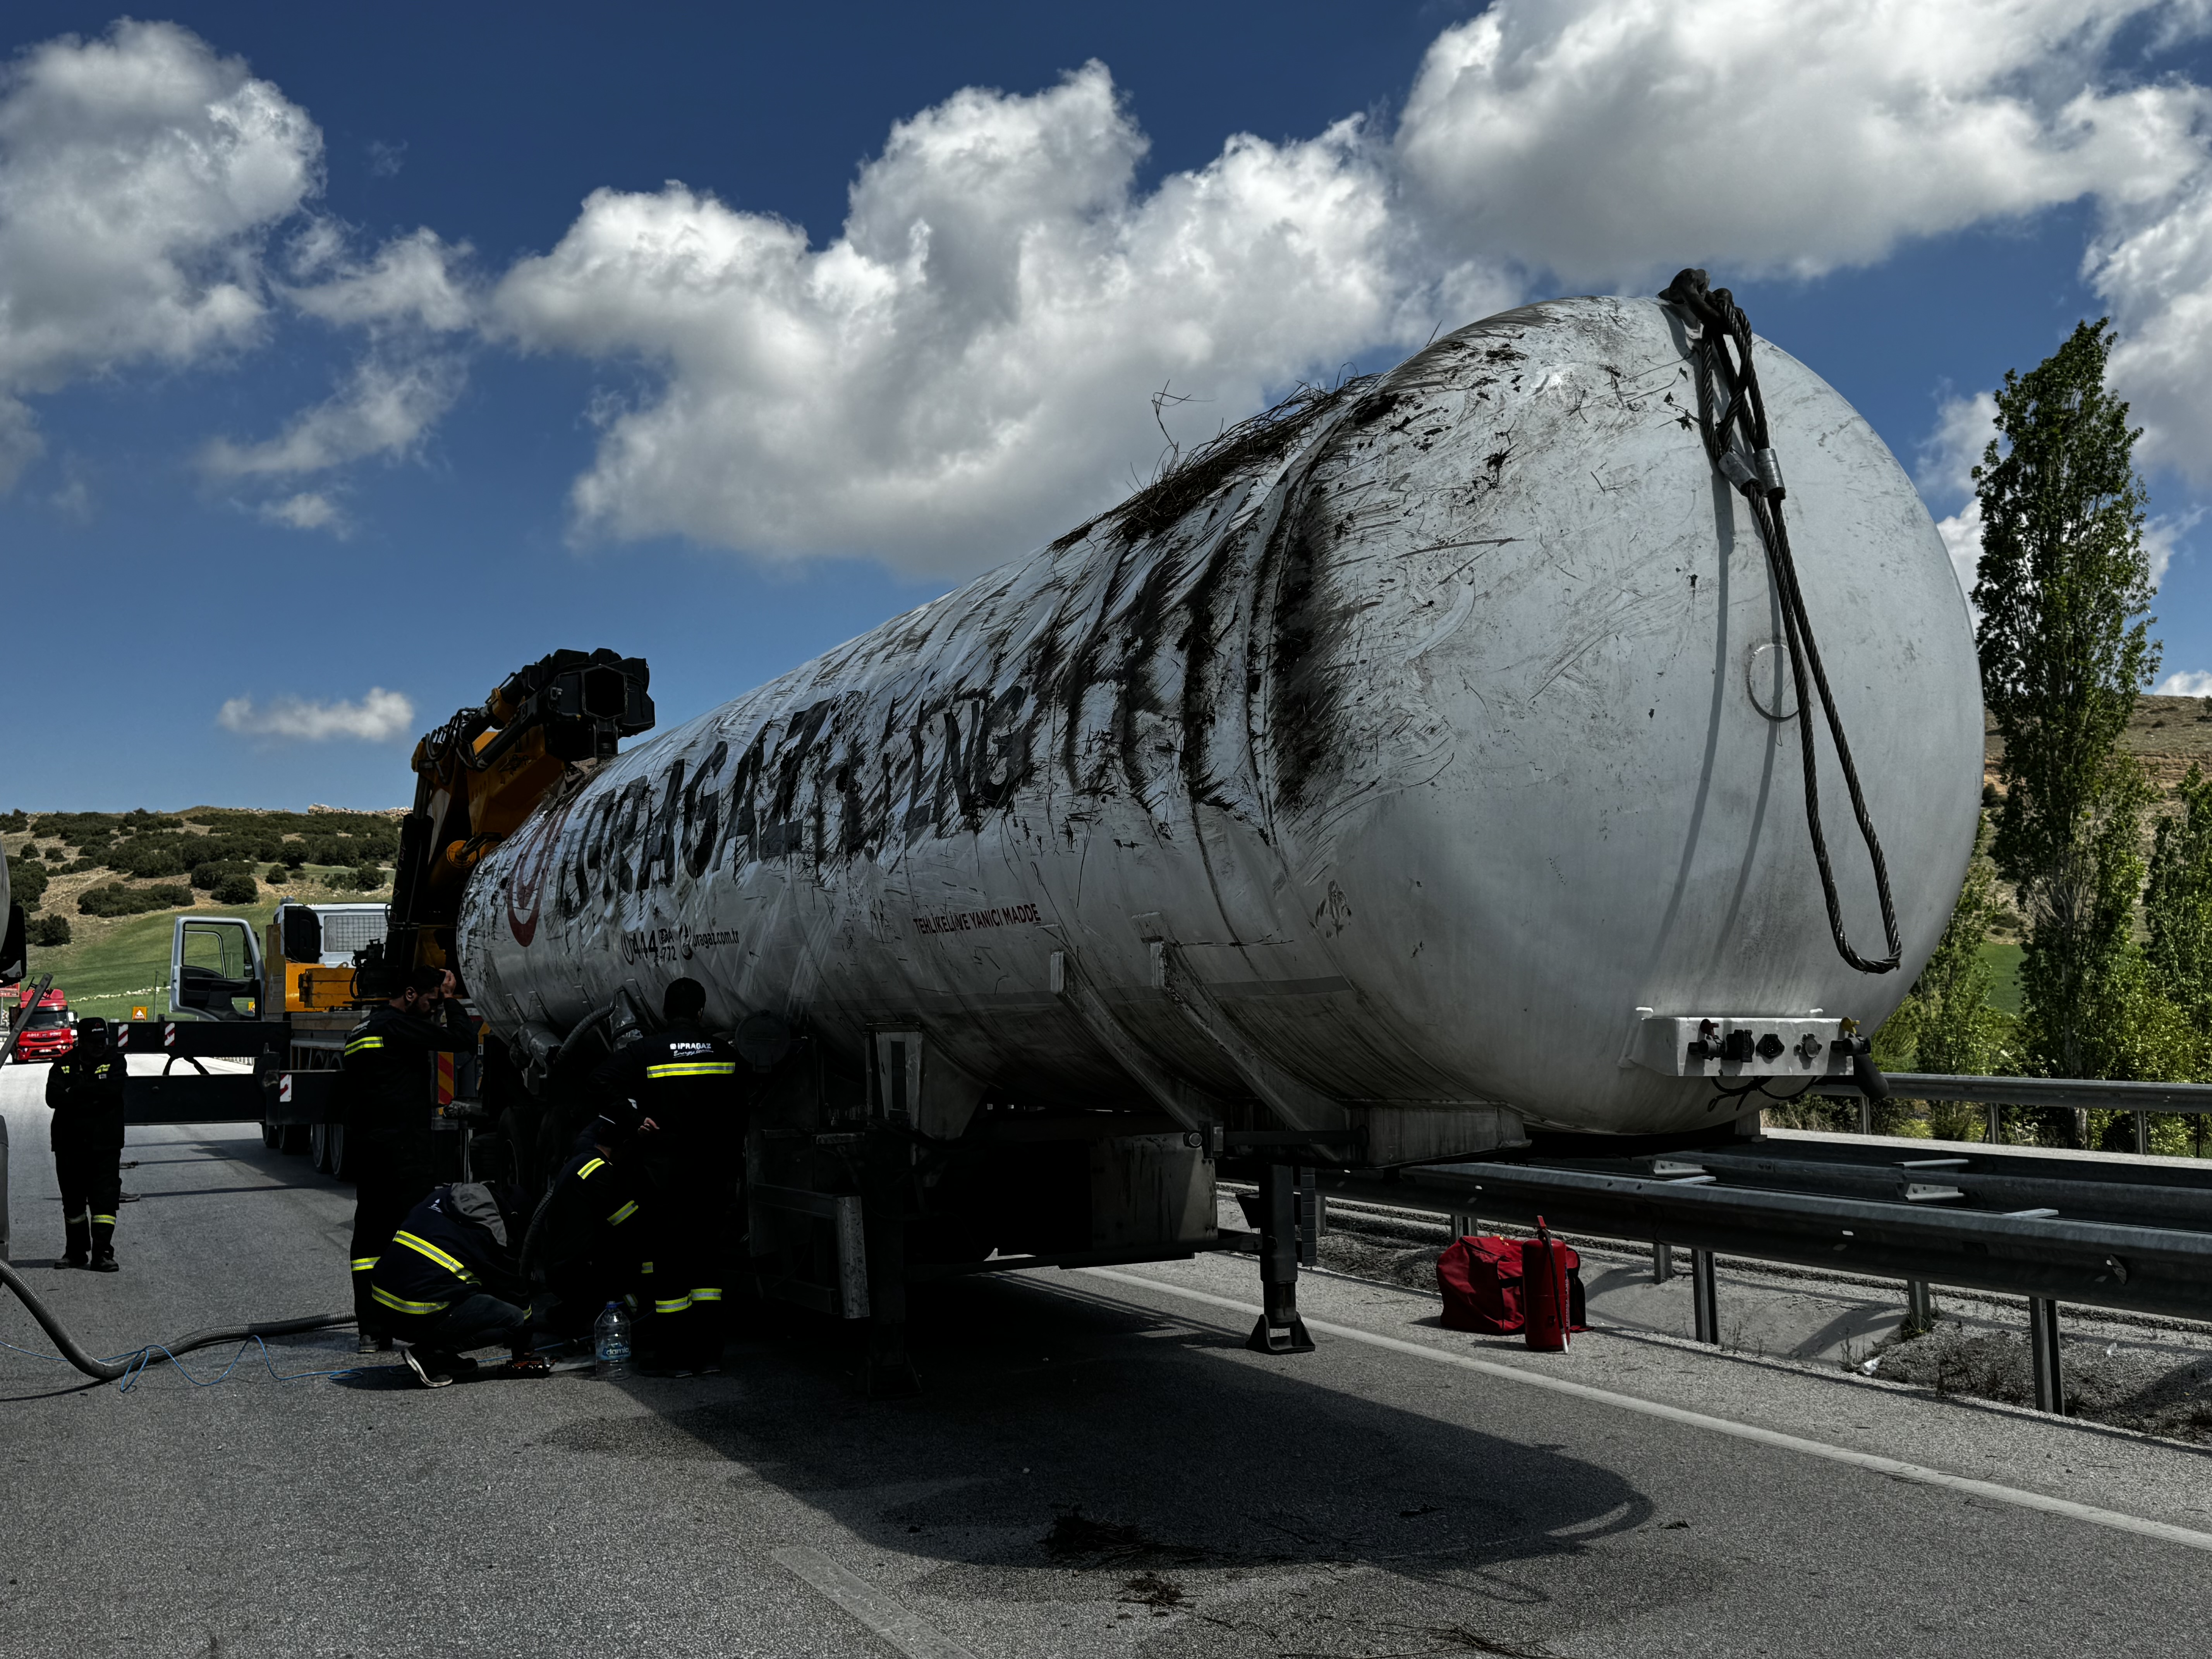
1414	768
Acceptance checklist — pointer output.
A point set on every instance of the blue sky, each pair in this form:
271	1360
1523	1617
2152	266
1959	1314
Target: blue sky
373	351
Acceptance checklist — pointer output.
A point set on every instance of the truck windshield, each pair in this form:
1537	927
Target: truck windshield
45	1018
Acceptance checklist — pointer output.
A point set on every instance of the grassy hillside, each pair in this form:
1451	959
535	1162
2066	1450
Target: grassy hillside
112	964
112	967
2003	958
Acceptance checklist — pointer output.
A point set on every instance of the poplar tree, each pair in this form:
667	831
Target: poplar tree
2177	910
2063	586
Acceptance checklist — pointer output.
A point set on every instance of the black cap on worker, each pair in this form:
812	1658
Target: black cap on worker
685	999
92	1031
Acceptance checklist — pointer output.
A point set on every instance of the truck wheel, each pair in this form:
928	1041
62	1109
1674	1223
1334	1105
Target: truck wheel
292	1138
270	1134
341	1154
319	1147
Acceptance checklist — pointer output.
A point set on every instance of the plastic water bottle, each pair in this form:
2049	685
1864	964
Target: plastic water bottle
611	1342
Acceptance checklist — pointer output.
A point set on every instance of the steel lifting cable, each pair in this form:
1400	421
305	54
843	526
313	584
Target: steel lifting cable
1738	441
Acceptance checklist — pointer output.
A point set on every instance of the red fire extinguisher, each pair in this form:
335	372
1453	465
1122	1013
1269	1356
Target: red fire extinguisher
1544	1292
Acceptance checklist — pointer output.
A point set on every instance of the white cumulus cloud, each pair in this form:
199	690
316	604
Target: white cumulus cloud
2188	683
307	510
386	405
139	175
968	366
377	718
1609	140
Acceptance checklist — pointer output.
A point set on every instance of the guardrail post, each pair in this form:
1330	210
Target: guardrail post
1866	1115
1465	1224
2142	1134
1919	1305
1994	1133
1662	1261
1704	1295
2043	1349
1310	1203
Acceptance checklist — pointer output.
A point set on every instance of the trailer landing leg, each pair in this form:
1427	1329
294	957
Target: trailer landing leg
1280	1329
889	1374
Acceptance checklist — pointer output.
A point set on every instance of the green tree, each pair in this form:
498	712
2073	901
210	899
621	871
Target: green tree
1946	1024
2177	910
2063	586
2177	903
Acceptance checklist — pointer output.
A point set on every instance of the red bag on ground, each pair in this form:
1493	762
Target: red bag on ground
1481	1282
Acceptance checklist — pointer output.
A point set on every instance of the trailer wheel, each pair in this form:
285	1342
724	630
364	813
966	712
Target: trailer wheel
292	1138
341	1152
270	1134
319	1147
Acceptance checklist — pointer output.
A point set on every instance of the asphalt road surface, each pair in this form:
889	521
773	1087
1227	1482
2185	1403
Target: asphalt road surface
1098	1466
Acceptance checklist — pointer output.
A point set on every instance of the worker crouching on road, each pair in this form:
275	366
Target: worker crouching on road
389	1096
591	1239
85	1089
675	1098
449	1280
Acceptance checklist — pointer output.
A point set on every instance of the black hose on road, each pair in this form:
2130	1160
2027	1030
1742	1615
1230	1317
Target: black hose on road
114	1370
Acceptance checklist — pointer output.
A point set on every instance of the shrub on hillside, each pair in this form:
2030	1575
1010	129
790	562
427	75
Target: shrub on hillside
150	855
237	890
294	857
14	823
27	880
49	930
369	877
213	873
114	899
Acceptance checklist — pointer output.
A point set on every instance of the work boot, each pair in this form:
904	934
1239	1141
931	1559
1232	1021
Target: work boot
104	1261
76	1240
74	1259
432	1370
372	1343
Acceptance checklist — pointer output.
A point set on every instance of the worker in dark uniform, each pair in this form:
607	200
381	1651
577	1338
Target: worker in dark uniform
84	1088
389	1097
592	1241
675	1098
449	1278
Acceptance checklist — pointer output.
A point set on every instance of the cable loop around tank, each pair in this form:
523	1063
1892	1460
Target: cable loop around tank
1742	453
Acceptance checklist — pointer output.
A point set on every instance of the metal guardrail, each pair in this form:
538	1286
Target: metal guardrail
2108	1233
2079	1094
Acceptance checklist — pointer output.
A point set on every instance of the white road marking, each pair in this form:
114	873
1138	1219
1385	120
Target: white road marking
1915	1472
877	1611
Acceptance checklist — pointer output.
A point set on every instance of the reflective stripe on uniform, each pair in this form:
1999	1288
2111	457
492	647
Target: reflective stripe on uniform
452	1265
693	1068
361	1264
596	1164
708	1293
623	1214
645	1266
82	1215
401	1304
98	1219
675	1307
359	1043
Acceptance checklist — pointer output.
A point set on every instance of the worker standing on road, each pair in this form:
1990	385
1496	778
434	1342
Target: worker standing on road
84	1088
448	1280
674	1096
389	1097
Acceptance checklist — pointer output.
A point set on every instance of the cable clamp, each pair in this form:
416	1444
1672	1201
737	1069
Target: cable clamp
1770	475
1738	472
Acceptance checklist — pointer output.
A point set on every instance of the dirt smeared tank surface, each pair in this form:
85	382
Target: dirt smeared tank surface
1416	746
